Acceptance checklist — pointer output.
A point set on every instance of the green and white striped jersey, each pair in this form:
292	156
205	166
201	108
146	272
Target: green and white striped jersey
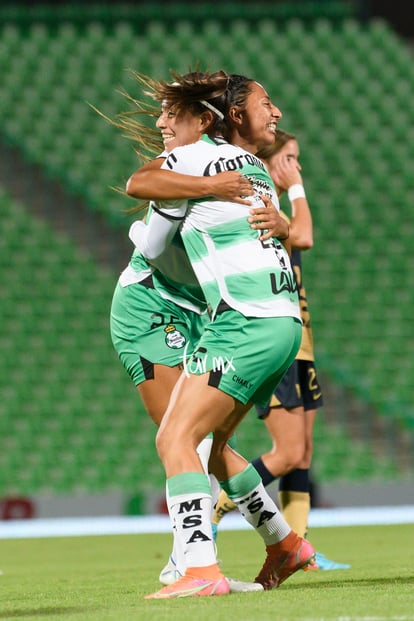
230	262
171	275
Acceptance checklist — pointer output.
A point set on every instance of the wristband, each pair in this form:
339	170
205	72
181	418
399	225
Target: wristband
296	191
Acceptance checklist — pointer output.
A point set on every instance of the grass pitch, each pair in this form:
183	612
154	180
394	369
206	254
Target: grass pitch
104	578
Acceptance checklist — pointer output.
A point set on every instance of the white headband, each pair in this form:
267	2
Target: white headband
212	108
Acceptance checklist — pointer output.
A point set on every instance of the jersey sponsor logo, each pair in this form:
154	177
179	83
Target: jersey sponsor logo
283	281
174	338
200	362
280	253
242	382
223	164
260	186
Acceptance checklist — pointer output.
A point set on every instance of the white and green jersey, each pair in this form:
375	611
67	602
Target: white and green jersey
231	264
171	274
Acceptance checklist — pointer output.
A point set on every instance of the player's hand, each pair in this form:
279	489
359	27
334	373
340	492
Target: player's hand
232	186
286	171
268	218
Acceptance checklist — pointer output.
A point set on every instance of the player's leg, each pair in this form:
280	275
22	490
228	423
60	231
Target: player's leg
155	392
245	486
198	407
155	395
195	409
286	552
286	430
321	562
294	487
152	336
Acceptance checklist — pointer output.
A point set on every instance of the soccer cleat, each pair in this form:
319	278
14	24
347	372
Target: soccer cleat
170	573
192	587
238	586
284	559
214	531
320	562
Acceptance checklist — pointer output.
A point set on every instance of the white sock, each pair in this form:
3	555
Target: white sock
261	512
177	553
190	507
204	450
215	488
254	503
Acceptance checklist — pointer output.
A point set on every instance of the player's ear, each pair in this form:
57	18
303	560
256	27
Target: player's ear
236	115
206	120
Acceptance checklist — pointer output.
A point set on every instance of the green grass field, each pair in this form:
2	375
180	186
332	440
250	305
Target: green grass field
104	578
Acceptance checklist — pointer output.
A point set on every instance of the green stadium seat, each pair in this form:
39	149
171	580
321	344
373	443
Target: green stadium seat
156	33
358	176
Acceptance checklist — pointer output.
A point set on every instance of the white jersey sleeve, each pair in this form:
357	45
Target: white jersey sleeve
153	238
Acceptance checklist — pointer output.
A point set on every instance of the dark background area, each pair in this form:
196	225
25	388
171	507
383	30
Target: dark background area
400	13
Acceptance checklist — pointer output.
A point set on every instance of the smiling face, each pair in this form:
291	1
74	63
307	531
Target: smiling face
180	128
256	122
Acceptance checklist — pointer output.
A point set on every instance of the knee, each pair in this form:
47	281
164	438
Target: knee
297	456
292	464
307	456
291	458
162	443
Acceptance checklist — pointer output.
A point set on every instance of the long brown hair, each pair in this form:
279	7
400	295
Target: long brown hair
281	138
185	93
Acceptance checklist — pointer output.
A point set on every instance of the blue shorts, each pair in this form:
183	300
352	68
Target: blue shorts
299	387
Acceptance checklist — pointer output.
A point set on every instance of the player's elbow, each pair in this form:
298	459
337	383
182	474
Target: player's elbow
307	243
302	243
136	187
129	186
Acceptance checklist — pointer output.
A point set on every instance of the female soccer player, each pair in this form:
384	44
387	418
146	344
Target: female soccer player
157	315
290	414
250	288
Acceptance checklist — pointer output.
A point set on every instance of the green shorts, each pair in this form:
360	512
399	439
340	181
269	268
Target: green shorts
146	329
246	356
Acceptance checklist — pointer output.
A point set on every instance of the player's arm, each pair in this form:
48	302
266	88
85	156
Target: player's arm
152	182
289	178
153	238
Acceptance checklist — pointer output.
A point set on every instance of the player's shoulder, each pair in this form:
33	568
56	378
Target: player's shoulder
204	145
190	155
232	151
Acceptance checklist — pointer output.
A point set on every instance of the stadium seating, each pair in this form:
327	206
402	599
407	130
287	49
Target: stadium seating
69	422
344	90
69	416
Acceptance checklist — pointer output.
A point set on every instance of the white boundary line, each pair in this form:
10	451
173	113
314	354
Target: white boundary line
123	525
